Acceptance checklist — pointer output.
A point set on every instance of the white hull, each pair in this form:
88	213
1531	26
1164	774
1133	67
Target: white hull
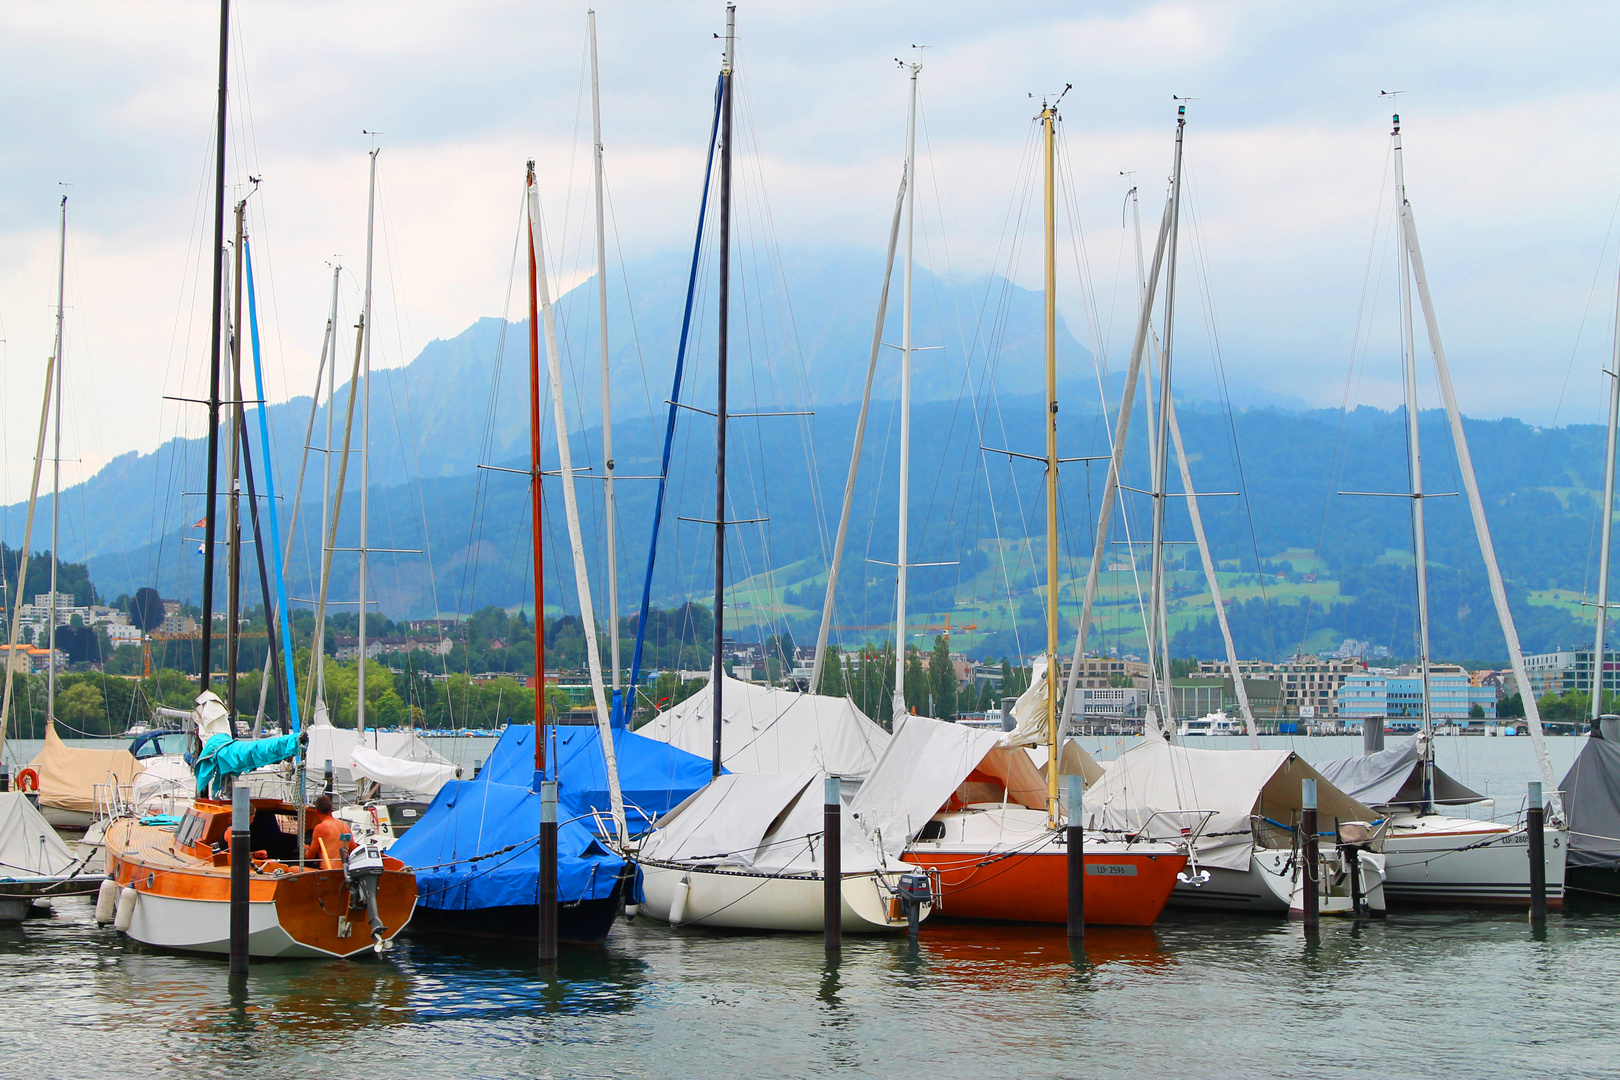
1434	859
1262	888
204	926
750	900
67	819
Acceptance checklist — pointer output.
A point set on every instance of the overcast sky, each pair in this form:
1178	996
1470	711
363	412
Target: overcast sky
1511	163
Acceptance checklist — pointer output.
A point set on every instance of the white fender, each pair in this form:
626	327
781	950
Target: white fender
677	908
106	901
126	909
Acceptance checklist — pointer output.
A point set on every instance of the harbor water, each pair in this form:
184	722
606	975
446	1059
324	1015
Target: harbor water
1421	994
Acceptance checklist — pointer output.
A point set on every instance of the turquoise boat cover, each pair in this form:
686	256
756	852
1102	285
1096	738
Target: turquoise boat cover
476	845
223	757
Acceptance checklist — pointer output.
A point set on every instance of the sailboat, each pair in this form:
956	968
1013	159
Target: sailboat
746	851
169	881
1435	857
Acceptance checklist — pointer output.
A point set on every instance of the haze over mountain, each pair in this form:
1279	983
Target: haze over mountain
463	402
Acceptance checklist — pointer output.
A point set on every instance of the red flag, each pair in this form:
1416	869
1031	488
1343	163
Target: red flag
203	524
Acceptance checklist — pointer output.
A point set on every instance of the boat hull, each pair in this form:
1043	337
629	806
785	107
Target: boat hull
1603	881
1437	860
580	922
1254	891
753	900
1122	889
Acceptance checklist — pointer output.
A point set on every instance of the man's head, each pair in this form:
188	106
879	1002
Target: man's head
324	804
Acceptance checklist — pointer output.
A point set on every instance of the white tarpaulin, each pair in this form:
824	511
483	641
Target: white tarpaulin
759	821
764	729
337	745
919	770
417	777
29	847
1154	787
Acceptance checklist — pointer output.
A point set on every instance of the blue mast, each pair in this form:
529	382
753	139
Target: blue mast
626	703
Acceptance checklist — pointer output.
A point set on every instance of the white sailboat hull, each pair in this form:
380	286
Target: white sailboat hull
204	926
1434	859
686	895
1263	888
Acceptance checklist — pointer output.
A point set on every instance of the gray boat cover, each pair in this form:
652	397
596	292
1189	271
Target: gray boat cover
29	847
1394	776
1592	806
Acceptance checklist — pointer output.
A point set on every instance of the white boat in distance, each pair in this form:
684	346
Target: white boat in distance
1215	723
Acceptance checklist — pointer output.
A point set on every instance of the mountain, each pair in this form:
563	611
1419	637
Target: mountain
464	531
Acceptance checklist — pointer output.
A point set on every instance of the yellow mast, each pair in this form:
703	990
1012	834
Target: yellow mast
1048	122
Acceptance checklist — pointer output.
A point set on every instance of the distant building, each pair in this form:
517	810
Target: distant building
1307	681
1099	671
1110	701
1397	695
1563	670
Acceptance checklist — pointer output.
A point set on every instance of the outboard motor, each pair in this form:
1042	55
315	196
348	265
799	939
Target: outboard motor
915	891
363	869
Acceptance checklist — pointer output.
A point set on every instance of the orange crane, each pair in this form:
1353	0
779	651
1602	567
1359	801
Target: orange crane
946	626
195	635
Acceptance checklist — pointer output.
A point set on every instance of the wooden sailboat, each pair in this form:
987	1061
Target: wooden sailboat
1006	857
169	883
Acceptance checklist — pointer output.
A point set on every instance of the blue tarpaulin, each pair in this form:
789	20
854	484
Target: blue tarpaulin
495	819
223	757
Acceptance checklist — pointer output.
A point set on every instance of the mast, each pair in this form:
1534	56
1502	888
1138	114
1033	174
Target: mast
365	440
318	646
722	343
1048	125
1157	639
1414	460
535	508
1599	668
610	509
576	541
898	708
14	624
56	468
233	524
212	486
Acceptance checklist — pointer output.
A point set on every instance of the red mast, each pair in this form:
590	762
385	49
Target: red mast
534	491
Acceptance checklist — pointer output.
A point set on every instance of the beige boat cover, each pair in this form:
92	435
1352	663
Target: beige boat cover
1156	789
68	775
765	729
29	847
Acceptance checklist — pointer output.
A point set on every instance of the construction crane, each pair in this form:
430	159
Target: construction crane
946	626
194	635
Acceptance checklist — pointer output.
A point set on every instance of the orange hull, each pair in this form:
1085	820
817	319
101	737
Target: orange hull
1035	887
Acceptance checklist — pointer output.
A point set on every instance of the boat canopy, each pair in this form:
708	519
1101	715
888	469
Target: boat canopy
771	822
1592	805
494	819
29	847
1394	776
1155	789
223	757
766	729
68	775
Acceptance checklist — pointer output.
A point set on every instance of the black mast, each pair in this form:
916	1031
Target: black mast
213	350
720	404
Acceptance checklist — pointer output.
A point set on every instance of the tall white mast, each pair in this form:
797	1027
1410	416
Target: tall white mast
327	347
607	393
576	541
56	469
1414	458
365	441
1157	641
1599	668
899	704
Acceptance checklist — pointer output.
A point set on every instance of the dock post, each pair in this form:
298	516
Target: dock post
832	867
5	778
548	870
1372	734
1312	868
241	864
1076	844
1534	825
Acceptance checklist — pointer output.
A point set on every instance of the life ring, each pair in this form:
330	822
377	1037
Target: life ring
28	779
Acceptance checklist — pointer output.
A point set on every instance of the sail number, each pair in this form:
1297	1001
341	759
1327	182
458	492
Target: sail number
1111	869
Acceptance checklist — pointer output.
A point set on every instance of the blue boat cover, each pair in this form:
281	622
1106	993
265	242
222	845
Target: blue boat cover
476	846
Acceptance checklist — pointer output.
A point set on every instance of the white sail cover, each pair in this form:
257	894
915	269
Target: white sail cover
920	769
29	847
337	745
765	729
1029	711
770	822
417	777
1154	786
